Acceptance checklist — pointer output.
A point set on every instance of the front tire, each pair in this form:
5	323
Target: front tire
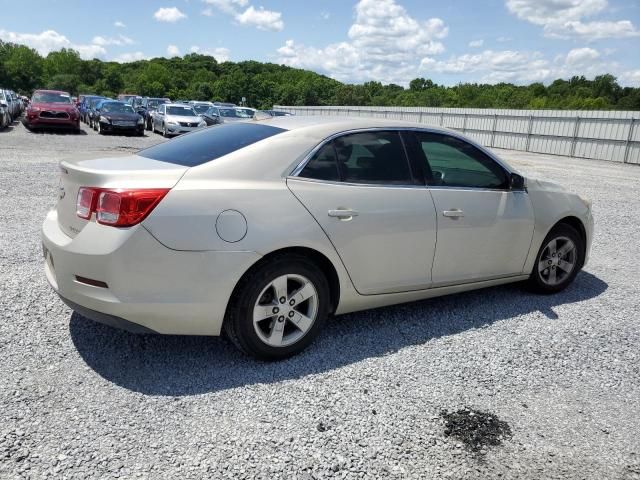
559	260
278	308
99	129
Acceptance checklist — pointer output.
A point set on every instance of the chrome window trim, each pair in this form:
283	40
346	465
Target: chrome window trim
303	163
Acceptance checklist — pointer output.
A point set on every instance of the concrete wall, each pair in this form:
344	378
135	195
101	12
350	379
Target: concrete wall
601	135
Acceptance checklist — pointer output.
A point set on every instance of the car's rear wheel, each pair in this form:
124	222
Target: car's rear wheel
559	260
278	308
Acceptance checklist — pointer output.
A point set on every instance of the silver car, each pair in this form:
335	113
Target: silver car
265	228
175	118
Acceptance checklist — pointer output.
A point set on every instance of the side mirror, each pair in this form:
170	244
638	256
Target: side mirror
517	182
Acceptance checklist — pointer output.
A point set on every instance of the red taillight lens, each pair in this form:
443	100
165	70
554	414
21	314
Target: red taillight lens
85	203
119	208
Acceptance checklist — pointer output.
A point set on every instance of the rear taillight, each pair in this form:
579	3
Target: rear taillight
119	208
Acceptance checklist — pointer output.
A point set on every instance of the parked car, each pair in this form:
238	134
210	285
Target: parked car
117	117
224	104
135	101
5	104
265	228
200	107
278	113
124	97
91	110
85	106
148	106
230	115
175	118
212	116
51	109
12	107
5	118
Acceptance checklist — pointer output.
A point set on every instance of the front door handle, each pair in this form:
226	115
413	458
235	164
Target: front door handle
455	213
342	213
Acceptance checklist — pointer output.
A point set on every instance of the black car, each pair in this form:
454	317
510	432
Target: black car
211	115
147	106
113	116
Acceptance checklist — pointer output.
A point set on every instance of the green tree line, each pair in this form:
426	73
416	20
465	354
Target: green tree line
201	77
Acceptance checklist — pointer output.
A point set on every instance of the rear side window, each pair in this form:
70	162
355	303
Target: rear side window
373	157
210	143
323	165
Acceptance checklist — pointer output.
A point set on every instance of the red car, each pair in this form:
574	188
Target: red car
51	108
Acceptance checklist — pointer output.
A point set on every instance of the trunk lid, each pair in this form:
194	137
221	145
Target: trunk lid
131	171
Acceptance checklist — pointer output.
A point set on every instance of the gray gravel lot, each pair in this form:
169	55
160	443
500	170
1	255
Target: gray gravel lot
78	399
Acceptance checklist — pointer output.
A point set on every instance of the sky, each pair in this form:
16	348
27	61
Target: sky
391	41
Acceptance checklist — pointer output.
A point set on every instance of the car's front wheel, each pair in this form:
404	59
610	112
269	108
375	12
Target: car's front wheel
559	260
278	308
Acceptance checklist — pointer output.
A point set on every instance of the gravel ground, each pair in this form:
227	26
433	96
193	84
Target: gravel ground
557	375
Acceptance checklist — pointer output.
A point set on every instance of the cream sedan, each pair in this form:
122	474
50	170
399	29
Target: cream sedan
265	228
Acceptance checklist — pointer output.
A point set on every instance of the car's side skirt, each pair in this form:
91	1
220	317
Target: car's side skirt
355	302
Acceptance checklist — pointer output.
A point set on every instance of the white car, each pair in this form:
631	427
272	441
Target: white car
265	228
172	119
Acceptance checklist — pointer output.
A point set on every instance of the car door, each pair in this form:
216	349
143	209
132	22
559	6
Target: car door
362	191
158	117
484	227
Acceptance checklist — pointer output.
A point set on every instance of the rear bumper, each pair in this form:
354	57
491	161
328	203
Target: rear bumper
144	283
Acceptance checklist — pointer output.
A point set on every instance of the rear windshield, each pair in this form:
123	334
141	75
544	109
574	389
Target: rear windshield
210	143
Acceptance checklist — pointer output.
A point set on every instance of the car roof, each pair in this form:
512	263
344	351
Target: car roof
325	126
50	91
173	104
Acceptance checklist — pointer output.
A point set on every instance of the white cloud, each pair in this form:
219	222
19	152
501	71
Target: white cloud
120	40
564	18
385	44
130	57
119	24
261	19
173	51
257	17
221	54
582	56
630	78
50	40
476	43
169	14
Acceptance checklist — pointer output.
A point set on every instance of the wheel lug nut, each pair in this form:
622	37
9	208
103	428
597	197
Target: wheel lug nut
281	319
275	310
291	314
550	262
292	302
282	299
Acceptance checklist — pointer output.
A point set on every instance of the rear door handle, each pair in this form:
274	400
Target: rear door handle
455	213
342	213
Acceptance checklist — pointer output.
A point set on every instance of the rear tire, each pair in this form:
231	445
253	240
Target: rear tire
559	260
287	328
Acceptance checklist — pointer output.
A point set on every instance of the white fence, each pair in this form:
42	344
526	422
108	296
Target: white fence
601	135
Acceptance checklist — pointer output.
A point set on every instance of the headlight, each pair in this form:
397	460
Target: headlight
172	123
202	124
104	119
140	121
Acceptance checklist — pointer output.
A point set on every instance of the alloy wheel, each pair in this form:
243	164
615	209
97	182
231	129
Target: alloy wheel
557	261
286	310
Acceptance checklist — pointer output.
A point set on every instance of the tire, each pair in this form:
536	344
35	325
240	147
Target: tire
255	291
164	131
147	125
99	129
550	273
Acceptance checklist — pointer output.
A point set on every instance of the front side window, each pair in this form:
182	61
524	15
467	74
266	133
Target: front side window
452	162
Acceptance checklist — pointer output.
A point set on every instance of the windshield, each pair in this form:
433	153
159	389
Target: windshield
208	144
201	108
51	97
182	111
116	107
234	113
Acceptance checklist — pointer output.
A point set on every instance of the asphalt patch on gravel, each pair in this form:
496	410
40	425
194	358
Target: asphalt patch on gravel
475	429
